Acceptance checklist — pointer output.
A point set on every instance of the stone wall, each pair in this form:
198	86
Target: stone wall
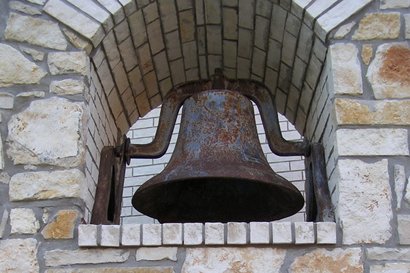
75	75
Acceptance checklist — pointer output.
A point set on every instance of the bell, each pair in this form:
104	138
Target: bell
218	172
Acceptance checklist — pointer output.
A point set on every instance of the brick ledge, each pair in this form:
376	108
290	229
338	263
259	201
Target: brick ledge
196	234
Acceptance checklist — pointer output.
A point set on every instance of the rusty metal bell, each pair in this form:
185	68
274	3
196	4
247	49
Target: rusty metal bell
218	172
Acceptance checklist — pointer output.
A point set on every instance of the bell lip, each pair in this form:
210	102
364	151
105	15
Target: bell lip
158	189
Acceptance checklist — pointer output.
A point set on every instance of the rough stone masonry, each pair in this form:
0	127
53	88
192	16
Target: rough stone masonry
76	75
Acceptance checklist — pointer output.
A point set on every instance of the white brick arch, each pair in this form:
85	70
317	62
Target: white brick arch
141	48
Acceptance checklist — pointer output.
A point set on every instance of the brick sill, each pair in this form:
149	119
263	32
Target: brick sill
208	234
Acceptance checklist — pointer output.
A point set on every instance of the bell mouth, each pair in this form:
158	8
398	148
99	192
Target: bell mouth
217	199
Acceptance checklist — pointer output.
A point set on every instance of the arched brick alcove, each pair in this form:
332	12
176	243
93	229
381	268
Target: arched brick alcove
140	50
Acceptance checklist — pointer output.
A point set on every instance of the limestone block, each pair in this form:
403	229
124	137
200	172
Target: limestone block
68	62
110	235
156	254
131	234
236	233
407	26
46	185
403	222
35	54
325	233
372	142
61	226
367	54
155	269
87	235
6	100
193	234
407	195
23	221
3	222
221	259
259	232
59	257
364	207
390	267
344	30
18	6
282	233
34	31
394	4
47	132
378	26
399	183
35	94
322	260
346	71
382	253
77	41
11	61
367	112
388	72
37	2
304	233
2	176
75	20
214	234
19	255
172	234
151	235
67	87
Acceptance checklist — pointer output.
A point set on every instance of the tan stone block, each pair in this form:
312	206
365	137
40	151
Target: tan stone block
11	60
23	221
346	70
156	254
343	30
34	30
388	73
67	87
18	6
390	267
245	259
321	260
378	26
35	54
364	208
367	54
45	185
383	253
113	269
366	112
77	41
59	257
68	63
372	141
403	222
47	132
18	255
61	226
236	233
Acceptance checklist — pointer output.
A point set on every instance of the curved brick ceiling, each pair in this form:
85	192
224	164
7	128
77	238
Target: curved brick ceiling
143	48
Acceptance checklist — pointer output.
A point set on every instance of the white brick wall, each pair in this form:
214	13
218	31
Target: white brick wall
140	170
